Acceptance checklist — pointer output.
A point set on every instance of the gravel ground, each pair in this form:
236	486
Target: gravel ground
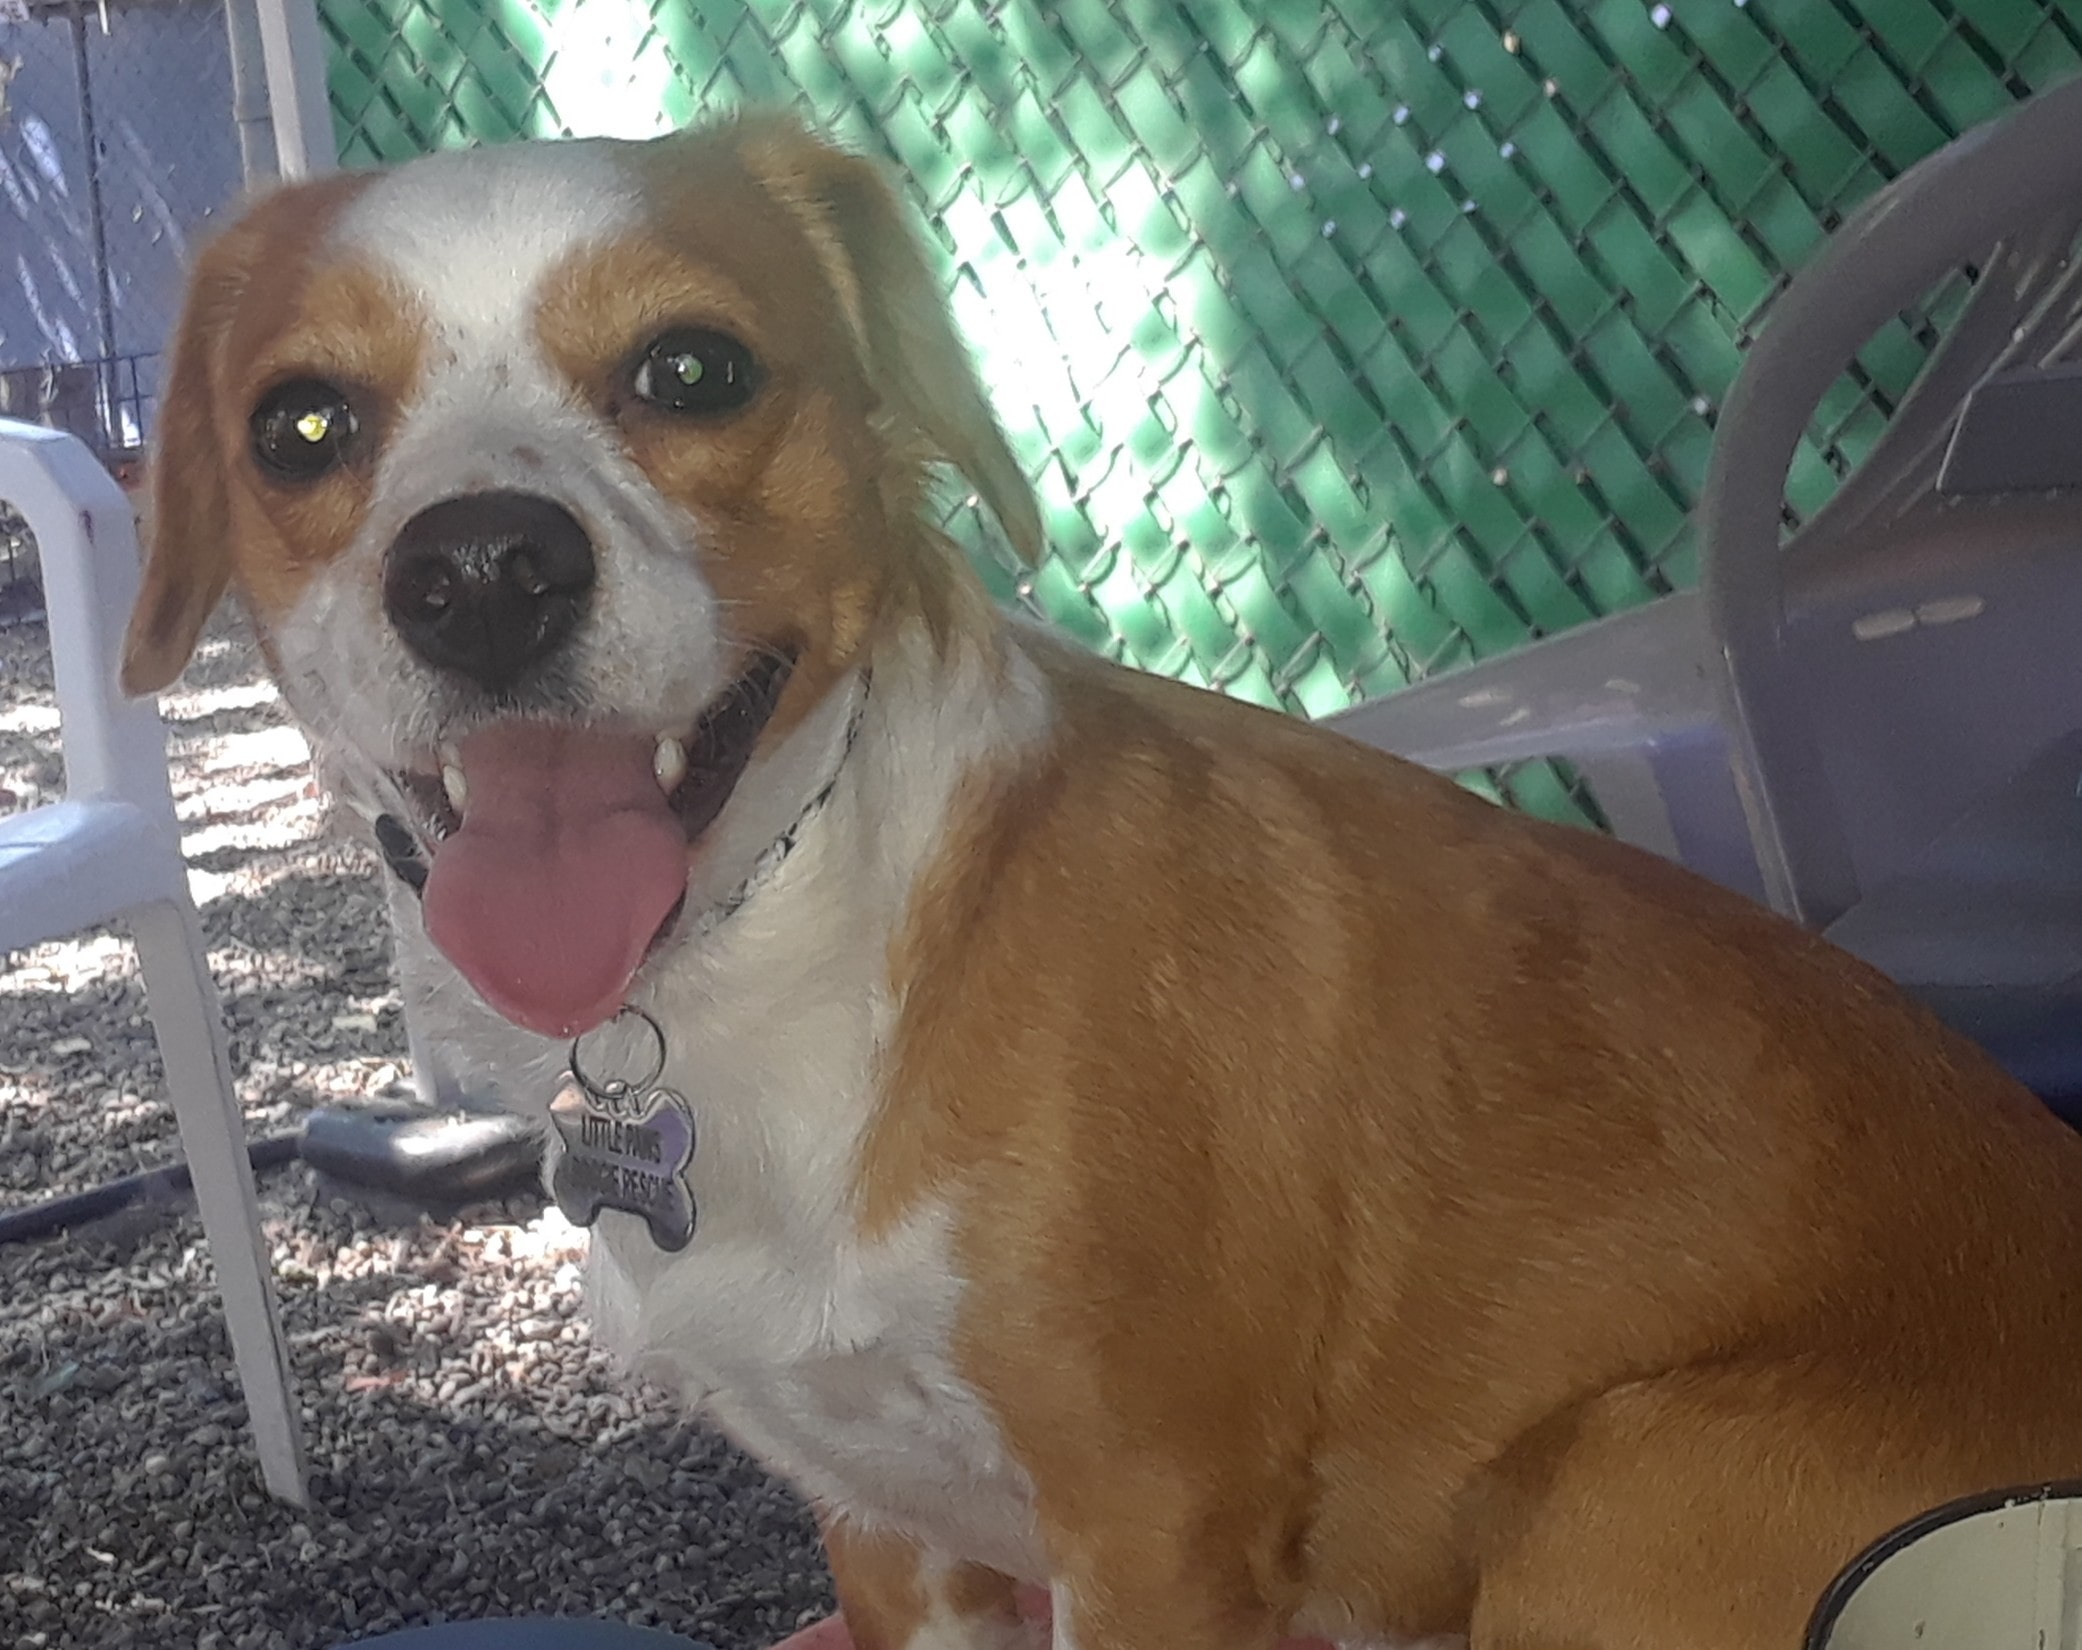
471	1454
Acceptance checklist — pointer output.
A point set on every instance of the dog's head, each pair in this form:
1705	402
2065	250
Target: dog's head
563	483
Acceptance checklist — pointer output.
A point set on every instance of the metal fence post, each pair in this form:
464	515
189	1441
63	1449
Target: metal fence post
294	52
250	113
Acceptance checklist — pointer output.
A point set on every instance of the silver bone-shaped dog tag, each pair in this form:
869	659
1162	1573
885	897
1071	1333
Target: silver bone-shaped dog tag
626	1146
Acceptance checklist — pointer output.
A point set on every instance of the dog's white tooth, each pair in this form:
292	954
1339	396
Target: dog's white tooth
453	783
450	756
669	763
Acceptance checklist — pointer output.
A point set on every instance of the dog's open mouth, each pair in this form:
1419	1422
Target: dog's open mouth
560	852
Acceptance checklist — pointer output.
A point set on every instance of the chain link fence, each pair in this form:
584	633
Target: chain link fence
1345	343
117	146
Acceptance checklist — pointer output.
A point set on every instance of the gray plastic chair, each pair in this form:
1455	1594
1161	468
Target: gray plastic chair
110	851
1874	725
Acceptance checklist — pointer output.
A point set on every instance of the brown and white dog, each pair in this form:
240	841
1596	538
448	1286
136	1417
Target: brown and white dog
1149	1148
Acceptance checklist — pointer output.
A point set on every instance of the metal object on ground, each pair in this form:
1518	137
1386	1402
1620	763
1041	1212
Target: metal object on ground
439	1160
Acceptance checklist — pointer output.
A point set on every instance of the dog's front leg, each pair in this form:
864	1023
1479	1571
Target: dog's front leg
897	1595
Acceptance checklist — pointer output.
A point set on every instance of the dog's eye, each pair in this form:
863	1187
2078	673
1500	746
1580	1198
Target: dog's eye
694	370
302	428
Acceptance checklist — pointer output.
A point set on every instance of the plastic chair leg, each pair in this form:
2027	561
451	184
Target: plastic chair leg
188	1022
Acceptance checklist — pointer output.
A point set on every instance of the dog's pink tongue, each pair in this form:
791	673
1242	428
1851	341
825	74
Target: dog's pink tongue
567	863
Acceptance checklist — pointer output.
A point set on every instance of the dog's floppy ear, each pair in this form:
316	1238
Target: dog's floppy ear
188	554
899	315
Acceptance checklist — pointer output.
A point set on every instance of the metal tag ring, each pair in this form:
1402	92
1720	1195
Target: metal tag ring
617	1088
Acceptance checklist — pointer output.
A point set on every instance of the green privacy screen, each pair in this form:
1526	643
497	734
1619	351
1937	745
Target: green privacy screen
1345	343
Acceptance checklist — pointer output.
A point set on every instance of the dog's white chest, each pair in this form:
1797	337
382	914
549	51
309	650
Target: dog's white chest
830	1357
832	1364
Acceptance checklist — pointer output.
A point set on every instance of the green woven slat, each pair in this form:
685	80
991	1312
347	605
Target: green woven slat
1809	483
1409	613
1634	494
1538	789
1685	454
1499	295
700	67
1656	176
1572	295
1229	30
493	85
1578	185
1656	68
1056	589
1396	481
1034	39
810	64
2008	27
985	38
1135	620
1262	618
1468	380
1613	580
1818	40
1395	59
1963	89
1209	633
1717	144
1825	160
1205	94
1895	125
1892	359
1651	286
1466	590
860	57
1276	96
1474	53
1729	43
1324	599
1546	482
1557	50
1362	110
1713	249
412	97
2050	58
1707	358
1782	224
1539	586
1572	405
1167	139
1910	31
1484	520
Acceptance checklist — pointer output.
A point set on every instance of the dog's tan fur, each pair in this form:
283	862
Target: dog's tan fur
1384	1216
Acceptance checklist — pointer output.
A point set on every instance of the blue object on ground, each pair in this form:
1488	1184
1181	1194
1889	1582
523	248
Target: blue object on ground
532	1633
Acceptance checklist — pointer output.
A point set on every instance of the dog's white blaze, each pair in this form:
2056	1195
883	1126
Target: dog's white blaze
828	1356
473	235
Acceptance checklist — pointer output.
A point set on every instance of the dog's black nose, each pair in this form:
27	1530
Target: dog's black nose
487	585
